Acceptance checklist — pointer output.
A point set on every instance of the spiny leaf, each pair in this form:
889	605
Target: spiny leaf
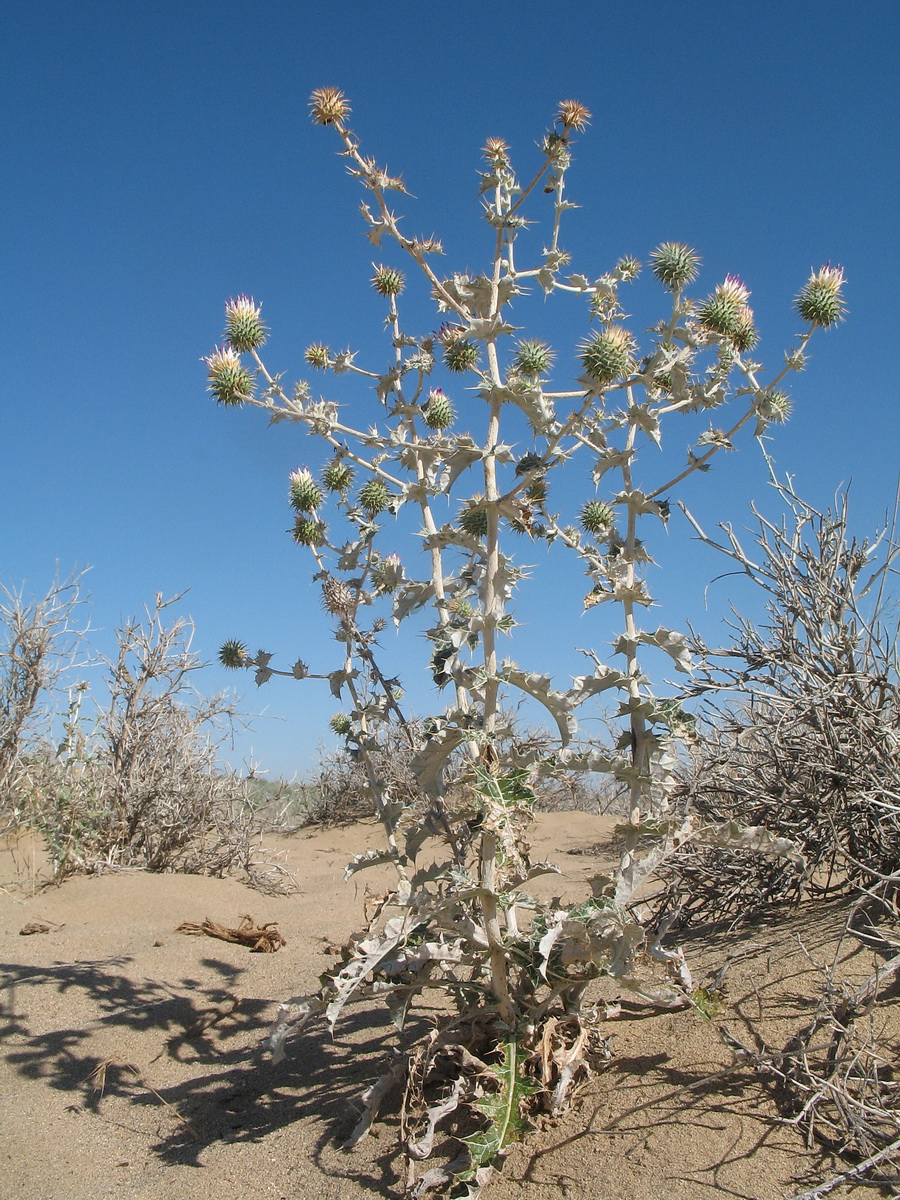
503	1110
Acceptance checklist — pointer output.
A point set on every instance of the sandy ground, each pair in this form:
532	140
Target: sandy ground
109	1087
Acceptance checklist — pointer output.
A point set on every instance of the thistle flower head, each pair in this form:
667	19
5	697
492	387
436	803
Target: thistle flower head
438	412
744	334
387	281
628	268
305	494
608	355
774	406
233	654
340	724
388	574
328	106
536	491
596	517
336	597
337	476
529	462
473	519
308	532
571	114
675	265
532	358
496	152
459	354
821	300
318	356
229	380
244	328
373	497
722	312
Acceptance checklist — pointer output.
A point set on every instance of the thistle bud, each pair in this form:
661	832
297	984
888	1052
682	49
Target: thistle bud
722	311
388	574
821	301
337	476
536	492
608	355
675	265
473	520
229	381
318	356
596	517
307	532
438	412
336	597
244	328
387	281
532	358
628	268
328	106
744	334
373	497
305	494
460	355
340	724
774	406
233	654
530	462
572	114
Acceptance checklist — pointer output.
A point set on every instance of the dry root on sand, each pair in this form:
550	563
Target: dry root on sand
262	939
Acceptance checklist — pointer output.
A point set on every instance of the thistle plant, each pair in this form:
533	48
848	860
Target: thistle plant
515	971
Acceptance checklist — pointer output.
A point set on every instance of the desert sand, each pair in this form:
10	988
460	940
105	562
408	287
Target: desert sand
133	1058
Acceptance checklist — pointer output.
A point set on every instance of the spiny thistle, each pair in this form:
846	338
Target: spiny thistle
387	281
336	597
628	268
459	354
438	412
744	334
328	106
307	532
571	114
596	517
536	491
244	328
532	358
373	497
340	724
608	355
305	494
318	356
496	152
473	520
337	476
233	654
387	574
229	380
675	265
774	406
821	301
530	462
722	311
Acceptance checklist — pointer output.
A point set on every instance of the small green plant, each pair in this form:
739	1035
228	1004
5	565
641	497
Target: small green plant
515	971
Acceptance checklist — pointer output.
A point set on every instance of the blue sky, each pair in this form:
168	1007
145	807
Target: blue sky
159	159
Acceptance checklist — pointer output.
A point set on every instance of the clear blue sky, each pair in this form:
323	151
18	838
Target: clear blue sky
159	158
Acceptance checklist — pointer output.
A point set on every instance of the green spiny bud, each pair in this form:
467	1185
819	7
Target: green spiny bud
244	328
533	358
722	311
675	265
744	334
774	406
608	355
307	532
233	654
318	356
596	517
438	412
529	462
336	597
473	520
461	608
628	268
821	301
373	497
305	494
536	492
340	724
459	354
387	574
337	476
229	380
387	281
